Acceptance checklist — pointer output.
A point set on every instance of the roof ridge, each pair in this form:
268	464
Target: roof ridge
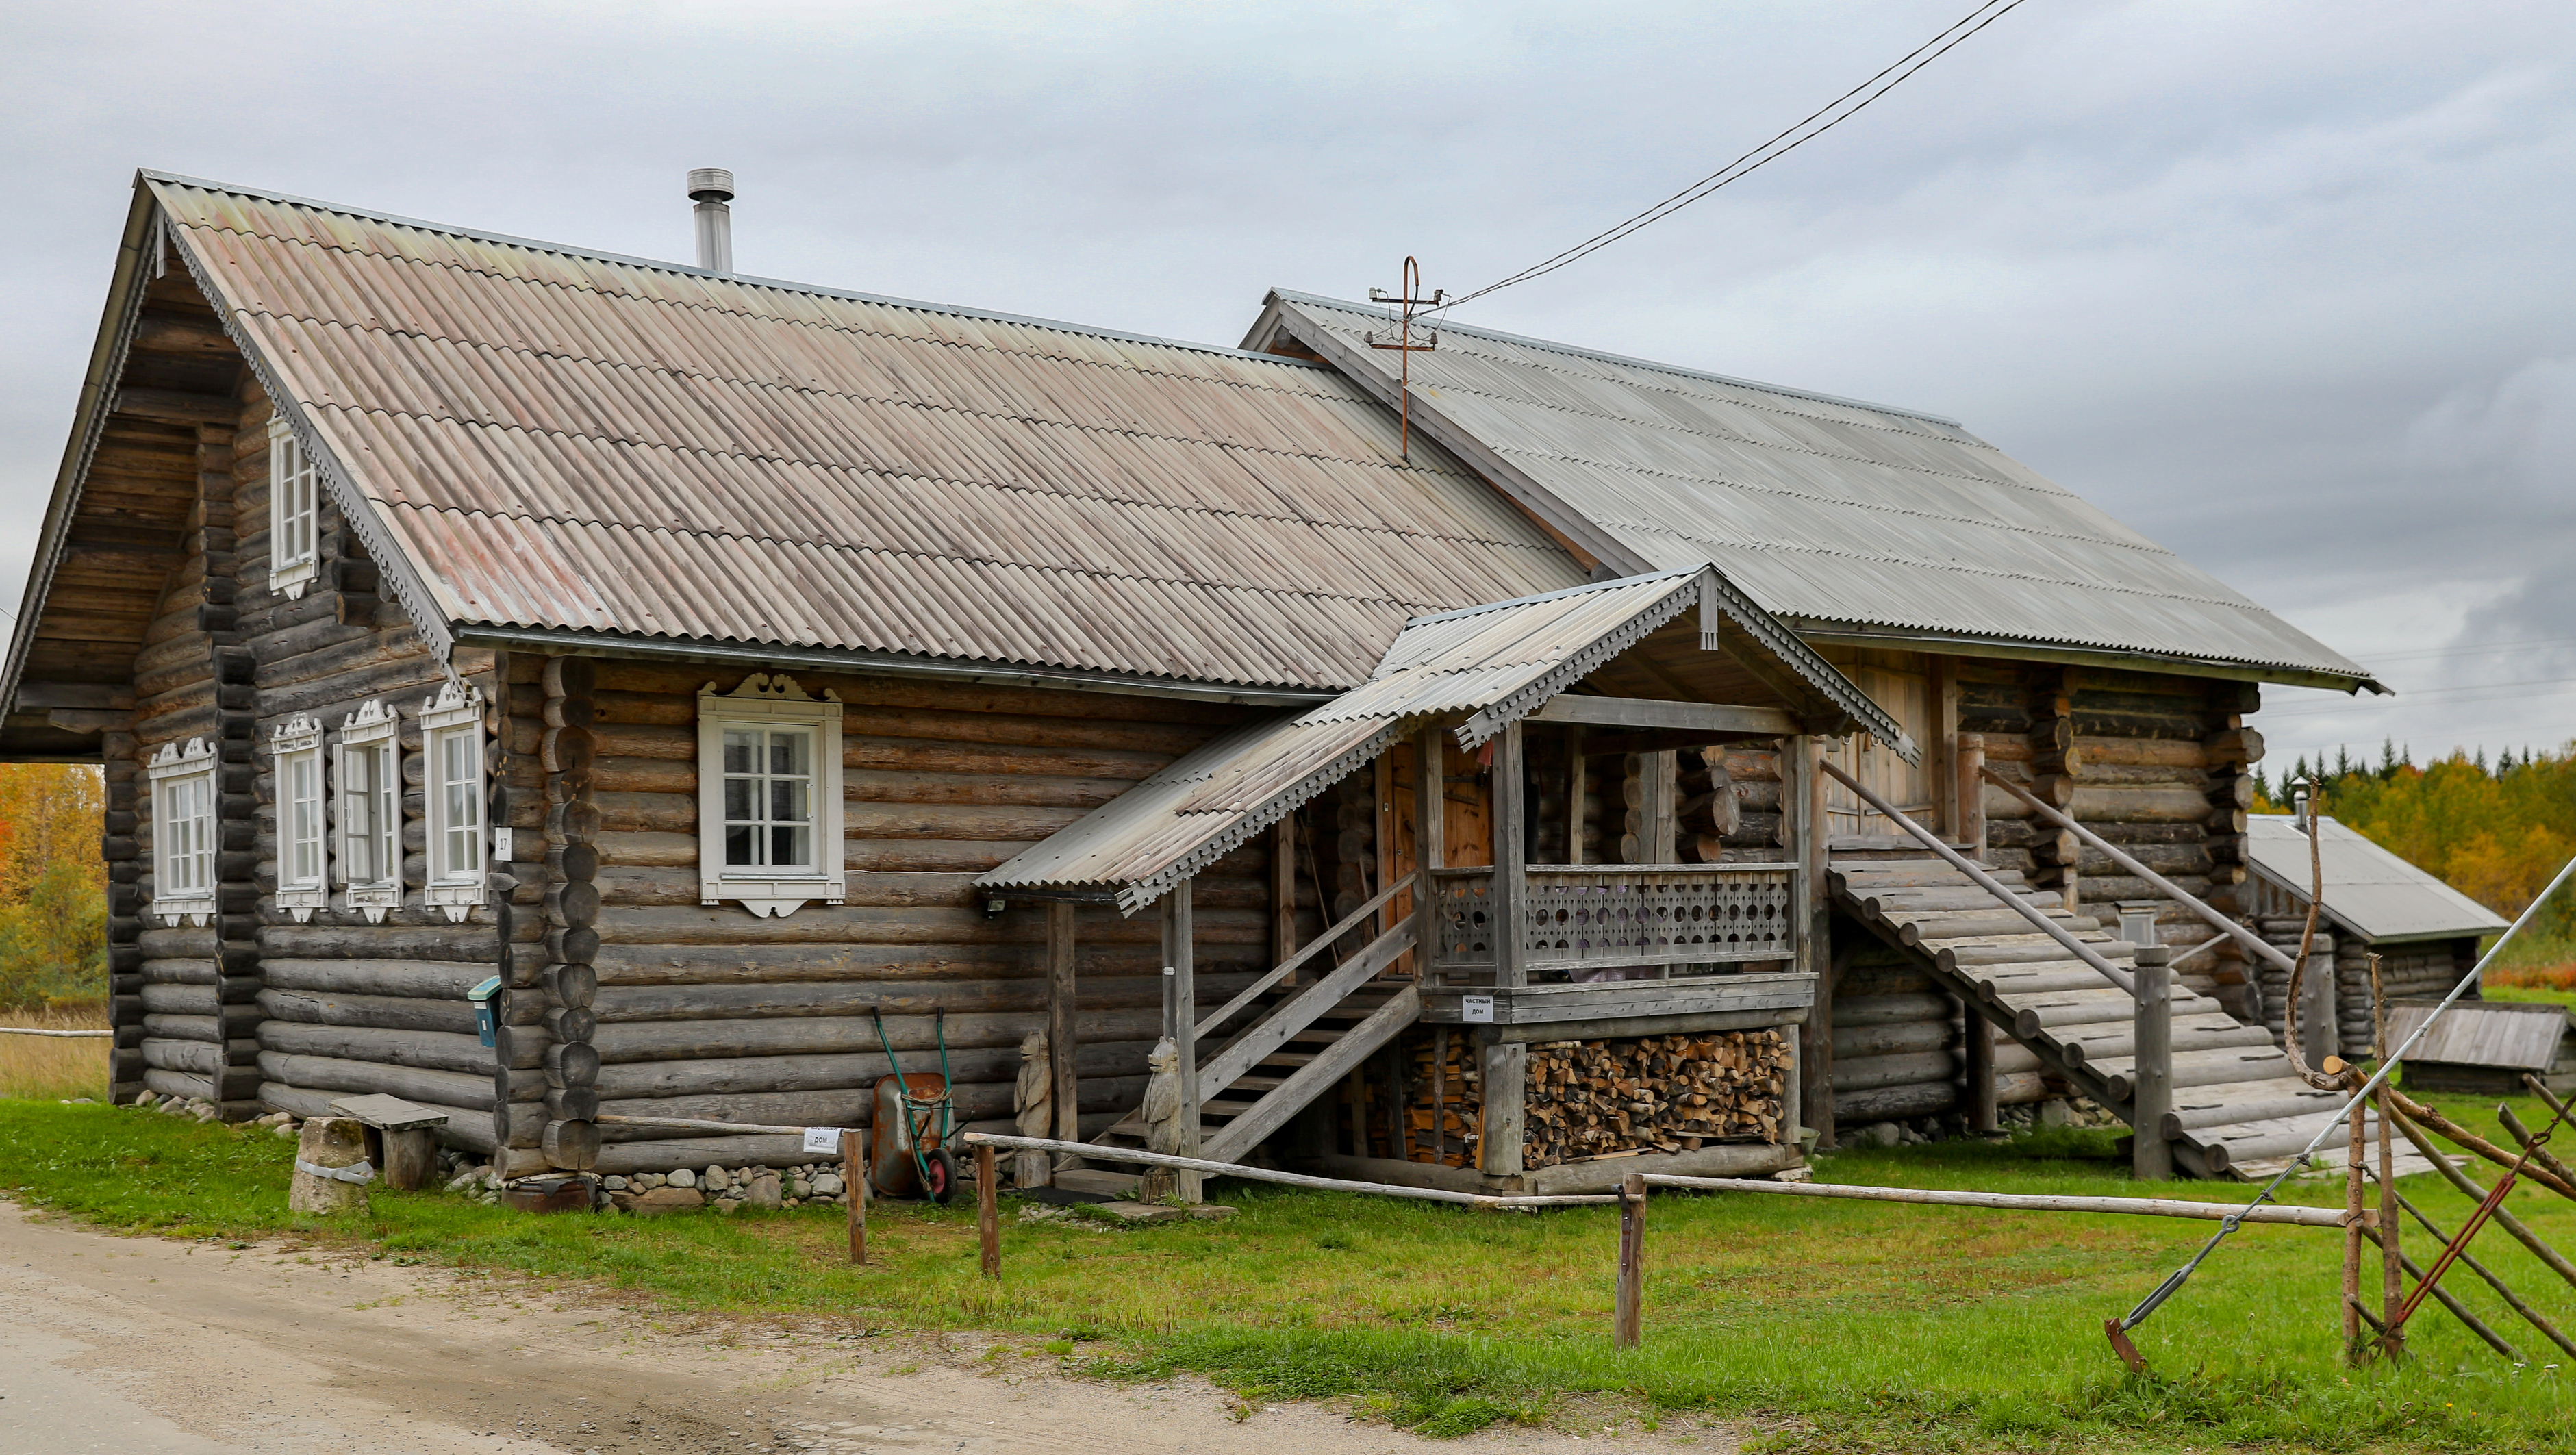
1552	346
595	255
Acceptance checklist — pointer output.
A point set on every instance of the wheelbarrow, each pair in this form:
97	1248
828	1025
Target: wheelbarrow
914	1118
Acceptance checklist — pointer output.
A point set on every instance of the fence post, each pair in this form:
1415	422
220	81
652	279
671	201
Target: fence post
854	1182
988	1209
2151	1157
1628	1312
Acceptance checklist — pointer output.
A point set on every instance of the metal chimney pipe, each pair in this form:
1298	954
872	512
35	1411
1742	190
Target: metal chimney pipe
712	188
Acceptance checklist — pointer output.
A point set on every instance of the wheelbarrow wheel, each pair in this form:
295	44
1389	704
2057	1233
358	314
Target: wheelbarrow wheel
942	1176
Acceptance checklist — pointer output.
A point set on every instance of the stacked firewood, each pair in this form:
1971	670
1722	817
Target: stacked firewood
1444	1105
1659	1093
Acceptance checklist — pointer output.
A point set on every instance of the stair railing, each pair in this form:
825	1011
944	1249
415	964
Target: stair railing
1289	966
1996	887
2219	922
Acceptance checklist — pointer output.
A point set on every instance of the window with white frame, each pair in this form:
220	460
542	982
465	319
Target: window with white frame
451	743
368	801
294	513
183	832
769	796
303	838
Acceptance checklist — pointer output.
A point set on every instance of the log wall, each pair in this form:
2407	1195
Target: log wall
345	1006
706	1011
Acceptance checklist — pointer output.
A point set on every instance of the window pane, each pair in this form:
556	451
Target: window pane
741	750
787	800
741	798
791	753
787	847
740	843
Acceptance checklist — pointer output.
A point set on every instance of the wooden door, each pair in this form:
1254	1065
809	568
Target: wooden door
1900	682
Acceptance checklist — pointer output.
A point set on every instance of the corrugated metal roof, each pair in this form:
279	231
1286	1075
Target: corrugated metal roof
1825	510
1496	664
2483	1033
2369	890
568	441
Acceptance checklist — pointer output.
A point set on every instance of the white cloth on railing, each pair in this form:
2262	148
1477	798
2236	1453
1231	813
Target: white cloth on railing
354	1172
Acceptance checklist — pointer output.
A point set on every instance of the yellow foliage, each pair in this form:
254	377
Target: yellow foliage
53	884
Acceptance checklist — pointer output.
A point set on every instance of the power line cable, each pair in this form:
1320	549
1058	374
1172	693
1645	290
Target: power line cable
2467	651
1842	108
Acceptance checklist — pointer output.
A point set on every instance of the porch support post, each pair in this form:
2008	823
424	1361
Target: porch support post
1577	783
1430	845
1502	1068
1283	889
1066	1095
1180	967
1802	803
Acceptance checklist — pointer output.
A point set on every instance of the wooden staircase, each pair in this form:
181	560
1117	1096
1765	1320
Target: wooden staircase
2238	1110
1300	1043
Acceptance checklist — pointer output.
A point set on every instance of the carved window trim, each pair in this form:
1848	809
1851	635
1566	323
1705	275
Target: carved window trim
454	791
294	512
303	819
184	819
367	801
769	702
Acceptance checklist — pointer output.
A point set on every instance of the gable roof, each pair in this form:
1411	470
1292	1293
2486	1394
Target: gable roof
1847	519
536	439
1489	666
2369	890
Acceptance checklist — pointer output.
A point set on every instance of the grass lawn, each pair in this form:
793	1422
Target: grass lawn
1832	1326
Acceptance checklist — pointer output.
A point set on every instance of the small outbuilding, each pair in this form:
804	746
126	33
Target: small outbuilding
2424	932
2487	1048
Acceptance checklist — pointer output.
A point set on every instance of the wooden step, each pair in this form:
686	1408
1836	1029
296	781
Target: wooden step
2034	952
2229	1102
1900	903
2111	1050
1931	931
1099	1181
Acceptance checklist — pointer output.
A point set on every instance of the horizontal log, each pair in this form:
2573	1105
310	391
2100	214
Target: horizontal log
343	1076
721	963
830	1035
236	1022
434	941
1870	1073
728	924
453	1015
1855	1042
1890	1102
634	1004
181	972
426	1050
1852	1012
988	1066
431	979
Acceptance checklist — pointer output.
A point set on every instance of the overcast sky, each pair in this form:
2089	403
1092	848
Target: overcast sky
2285	286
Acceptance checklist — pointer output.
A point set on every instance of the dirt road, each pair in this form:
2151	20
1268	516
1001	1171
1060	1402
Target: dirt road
142	1346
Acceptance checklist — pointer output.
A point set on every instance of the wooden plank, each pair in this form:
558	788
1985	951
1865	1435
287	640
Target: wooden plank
1067	1094
1692	995
1511	965
1180	964
1646	712
1302	1010
1431	842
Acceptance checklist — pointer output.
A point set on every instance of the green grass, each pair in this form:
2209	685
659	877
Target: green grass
1828	1325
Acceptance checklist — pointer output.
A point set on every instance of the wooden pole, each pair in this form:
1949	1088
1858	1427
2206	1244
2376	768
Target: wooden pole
2392	1284
1283	889
1801	818
1970	782
1430	846
1180	929
1066	1097
2151	1082
1511	941
854	1178
1628	1311
988	1209
1984	1115
1577	783
2355	1197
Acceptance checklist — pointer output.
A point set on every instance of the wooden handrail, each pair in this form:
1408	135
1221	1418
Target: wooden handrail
2217	921
1988	882
1288	967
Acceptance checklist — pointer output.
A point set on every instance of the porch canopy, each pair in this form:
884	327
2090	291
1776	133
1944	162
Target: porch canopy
1642	660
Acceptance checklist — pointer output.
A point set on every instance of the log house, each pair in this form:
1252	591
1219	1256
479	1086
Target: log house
744	671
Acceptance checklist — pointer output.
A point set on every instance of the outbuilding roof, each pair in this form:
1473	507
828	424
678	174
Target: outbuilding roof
1842	517
2369	891
559	441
